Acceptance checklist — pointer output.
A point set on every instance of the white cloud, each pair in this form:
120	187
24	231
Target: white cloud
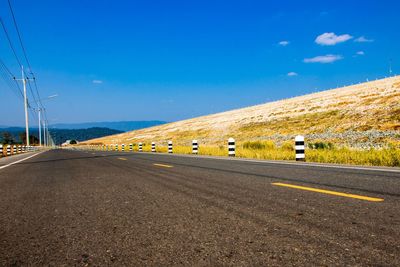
292	73
330	38
362	39
97	81
323	59
360	53
284	43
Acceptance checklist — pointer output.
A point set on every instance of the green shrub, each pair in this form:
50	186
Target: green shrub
257	145
253	145
288	146
321	145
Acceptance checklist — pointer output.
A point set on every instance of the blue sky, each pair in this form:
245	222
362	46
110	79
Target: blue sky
171	60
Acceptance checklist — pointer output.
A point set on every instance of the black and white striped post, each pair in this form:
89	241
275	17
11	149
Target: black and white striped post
130	147
116	147
14	149
140	147
153	147
300	147
19	149
123	147
24	148
1	150
231	147
8	150
170	147
195	147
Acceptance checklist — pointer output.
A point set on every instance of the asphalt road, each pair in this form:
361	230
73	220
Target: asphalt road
74	208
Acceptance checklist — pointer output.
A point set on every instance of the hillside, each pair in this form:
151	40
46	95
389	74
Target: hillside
363	115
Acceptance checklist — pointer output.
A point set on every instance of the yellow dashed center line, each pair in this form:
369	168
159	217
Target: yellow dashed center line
122	158
323	191
163	165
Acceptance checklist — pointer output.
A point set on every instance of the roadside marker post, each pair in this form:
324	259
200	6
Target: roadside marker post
140	147
8	150
231	147
116	147
130	147
153	147
24	149
299	147
195	147
14	149
170	147
19	149
1	150
123	147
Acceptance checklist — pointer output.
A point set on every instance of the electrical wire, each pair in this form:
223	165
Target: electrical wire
19	37
10	43
26	57
8	78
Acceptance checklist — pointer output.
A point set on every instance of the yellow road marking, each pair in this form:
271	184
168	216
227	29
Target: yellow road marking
122	158
163	165
323	191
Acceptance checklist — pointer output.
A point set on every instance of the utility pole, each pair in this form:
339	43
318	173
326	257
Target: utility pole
45	132
25	105
39	110
40	127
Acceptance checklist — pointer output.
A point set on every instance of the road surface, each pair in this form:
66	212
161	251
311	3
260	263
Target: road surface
85	208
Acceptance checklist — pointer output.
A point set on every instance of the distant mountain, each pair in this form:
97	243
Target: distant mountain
116	125
61	135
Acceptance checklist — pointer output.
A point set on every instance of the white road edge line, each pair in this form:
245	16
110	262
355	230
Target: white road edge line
18	161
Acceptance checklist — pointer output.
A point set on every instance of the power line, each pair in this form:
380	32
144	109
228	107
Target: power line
26	57
9	42
7	69
30	89
9	84
6	72
19	37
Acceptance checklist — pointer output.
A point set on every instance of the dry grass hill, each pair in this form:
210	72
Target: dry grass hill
363	116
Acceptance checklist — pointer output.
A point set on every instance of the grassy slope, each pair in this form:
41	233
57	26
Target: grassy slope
361	116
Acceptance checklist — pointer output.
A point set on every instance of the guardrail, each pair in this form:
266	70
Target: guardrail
299	147
10	150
